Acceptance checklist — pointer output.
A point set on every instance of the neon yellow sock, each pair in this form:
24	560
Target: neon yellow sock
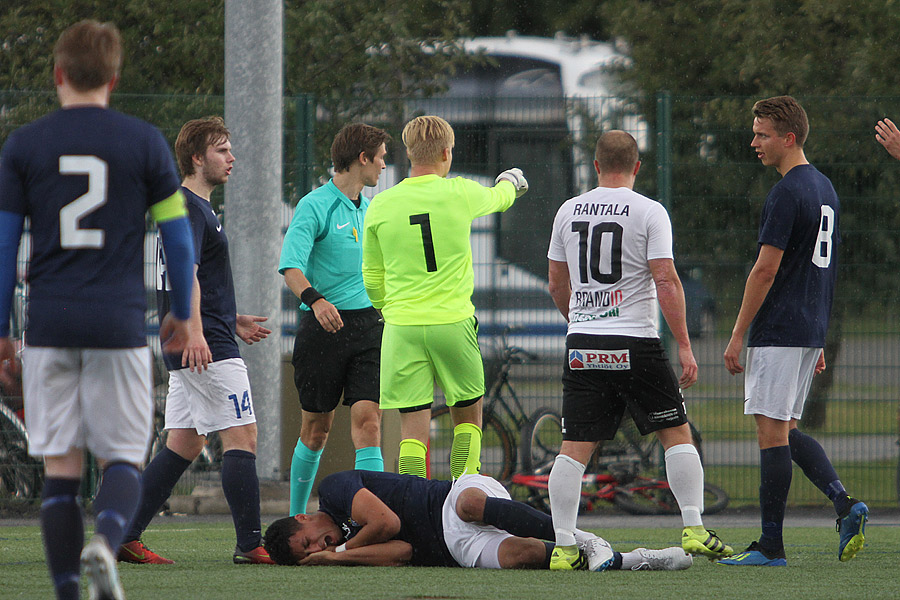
412	458
465	453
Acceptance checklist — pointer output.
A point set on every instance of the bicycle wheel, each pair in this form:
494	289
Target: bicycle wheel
530	489
715	499
654	497
540	442
21	476
645	496
498	454
630	445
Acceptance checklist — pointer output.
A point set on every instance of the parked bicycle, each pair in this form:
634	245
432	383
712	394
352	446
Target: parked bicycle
503	418
627	471
21	476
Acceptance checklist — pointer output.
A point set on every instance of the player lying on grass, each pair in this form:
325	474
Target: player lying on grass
386	519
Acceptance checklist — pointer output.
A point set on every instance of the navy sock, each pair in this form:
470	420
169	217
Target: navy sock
775	483
548	549
241	486
518	519
810	456
116	502
62	526
158	481
617	561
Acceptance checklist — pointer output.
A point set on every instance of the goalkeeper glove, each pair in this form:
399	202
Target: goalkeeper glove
515	177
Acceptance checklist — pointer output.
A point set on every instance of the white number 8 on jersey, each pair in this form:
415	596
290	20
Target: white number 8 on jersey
822	251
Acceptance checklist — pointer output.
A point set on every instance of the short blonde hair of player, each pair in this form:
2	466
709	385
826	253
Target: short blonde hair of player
426	138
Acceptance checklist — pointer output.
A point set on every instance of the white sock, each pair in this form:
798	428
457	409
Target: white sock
631	560
685	474
564	486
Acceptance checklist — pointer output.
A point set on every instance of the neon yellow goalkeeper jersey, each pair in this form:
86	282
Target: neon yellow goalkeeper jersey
417	259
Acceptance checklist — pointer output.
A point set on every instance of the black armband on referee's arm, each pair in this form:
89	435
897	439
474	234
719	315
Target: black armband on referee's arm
310	295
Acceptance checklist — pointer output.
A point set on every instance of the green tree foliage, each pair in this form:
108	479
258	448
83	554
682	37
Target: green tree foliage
362	61
753	47
178	49
350	56
538	17
718	57
178	52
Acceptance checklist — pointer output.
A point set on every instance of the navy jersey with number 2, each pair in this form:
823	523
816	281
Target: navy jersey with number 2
85	176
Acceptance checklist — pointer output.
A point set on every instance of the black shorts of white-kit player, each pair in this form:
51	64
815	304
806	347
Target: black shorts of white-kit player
606	374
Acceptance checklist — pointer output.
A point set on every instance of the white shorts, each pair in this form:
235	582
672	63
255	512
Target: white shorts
211	400
473	544
94	398
777	380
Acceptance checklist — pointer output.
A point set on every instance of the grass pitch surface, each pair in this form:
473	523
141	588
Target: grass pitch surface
203	569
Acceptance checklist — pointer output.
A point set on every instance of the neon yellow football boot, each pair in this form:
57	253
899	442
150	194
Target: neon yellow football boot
567	558
704	542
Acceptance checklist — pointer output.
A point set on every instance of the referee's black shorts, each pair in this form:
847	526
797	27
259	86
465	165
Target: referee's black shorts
605	374
347	362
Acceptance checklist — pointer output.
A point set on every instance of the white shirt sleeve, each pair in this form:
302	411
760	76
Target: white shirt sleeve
557	250
659	233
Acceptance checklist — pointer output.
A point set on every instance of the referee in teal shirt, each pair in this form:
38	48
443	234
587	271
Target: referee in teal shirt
337	350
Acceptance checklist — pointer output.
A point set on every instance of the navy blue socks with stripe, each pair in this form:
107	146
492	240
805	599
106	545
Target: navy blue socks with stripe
62	527
116	502
810	456
775	483
241	486
518	519
159	480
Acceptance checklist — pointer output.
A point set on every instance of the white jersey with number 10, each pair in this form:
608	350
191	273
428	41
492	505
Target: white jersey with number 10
606	236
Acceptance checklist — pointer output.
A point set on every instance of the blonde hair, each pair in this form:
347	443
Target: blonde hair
425	138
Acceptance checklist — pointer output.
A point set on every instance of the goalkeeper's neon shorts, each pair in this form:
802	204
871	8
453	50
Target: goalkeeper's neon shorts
415	357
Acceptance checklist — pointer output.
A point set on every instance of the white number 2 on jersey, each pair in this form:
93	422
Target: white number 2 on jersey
824	243
71	236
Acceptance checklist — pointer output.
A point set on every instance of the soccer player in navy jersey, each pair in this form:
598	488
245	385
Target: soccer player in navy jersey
386	519
85	176
209	390
786	307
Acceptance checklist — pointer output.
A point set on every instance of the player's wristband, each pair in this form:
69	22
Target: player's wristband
341	548
310	295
